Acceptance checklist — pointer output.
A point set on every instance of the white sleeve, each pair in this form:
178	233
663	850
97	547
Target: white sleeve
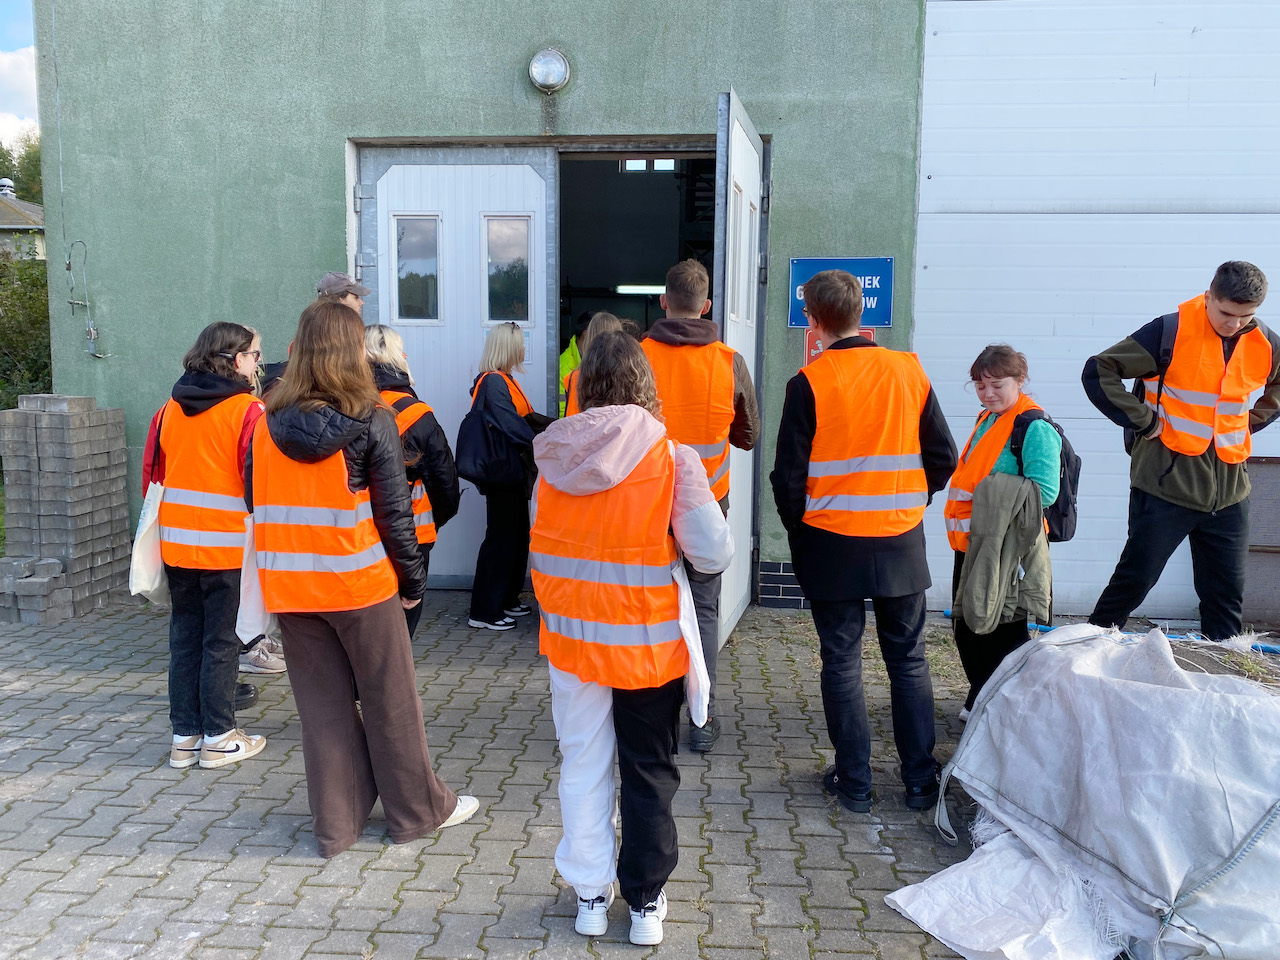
699	526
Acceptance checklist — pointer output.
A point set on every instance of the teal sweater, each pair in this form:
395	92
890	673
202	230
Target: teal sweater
1041	457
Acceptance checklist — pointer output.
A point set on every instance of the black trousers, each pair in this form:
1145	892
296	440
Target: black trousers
1219	546
503	555
414	615
204	651
647	725
900	626
981	653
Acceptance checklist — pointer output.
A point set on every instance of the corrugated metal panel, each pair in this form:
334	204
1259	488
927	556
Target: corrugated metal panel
1064	203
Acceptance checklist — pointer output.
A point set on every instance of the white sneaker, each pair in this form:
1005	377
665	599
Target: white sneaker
593	915
273	645
232	748
646	923
464	811
186	752
261	660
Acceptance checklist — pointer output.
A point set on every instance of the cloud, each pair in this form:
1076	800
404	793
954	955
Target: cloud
18	83
14	127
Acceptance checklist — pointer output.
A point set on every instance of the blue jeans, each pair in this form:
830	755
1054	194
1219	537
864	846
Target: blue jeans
900	625
204	651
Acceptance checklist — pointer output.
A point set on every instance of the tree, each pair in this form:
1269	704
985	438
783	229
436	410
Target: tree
27	181
8	167
24	326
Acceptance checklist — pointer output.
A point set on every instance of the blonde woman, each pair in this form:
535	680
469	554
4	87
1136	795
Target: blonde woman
601	322
504	553
432	474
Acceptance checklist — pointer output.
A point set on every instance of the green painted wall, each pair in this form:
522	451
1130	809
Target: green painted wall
203	146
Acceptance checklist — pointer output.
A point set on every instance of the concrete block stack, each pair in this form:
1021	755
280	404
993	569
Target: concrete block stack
66	508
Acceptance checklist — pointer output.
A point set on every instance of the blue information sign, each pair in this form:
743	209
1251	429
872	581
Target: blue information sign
874	273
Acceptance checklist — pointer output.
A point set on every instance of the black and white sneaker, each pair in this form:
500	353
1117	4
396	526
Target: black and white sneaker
506	623
519	610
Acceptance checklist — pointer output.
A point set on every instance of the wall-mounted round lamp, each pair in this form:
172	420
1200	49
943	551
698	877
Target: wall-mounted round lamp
549	70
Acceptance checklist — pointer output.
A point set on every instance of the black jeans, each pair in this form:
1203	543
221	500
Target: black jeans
503	555
204	651
414	615
1219	546
705	588
981	653
647	726
900	625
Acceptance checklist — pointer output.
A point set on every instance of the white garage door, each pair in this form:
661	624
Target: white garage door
1084	168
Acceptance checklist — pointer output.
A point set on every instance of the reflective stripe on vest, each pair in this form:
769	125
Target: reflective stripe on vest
409	410
696	387
976	464
1206	398
317	546
865	473
570	396
602	572
202	515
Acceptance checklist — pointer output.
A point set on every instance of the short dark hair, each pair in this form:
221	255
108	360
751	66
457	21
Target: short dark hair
833	298
999	360
687	286
1240	282
217	347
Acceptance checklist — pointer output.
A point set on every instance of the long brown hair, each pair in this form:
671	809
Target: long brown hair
327	366
616	370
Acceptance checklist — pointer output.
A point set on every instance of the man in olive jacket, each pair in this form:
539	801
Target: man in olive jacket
1177	493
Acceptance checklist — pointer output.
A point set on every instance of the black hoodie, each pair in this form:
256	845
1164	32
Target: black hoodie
427	454
375	462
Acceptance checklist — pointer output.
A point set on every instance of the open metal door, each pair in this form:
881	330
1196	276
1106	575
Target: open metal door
737	301
454	240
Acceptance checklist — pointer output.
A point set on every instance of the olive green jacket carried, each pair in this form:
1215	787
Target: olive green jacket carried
1201	482
1006	573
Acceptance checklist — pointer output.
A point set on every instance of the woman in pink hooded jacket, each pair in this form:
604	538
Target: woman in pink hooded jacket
617	505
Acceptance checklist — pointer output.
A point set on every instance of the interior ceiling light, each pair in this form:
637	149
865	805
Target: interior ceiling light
641	289
549	70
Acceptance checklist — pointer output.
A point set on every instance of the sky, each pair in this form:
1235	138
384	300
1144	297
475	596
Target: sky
17	70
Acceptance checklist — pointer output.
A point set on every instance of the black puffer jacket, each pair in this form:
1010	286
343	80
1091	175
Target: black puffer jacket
426	450
375	461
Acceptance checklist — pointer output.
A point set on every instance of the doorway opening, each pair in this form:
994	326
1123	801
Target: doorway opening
625	218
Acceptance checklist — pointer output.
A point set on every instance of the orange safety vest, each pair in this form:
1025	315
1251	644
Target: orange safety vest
1205	397
409	410
695	385
317	546
571	394
609	607
866	477
202	513
975	466
522	404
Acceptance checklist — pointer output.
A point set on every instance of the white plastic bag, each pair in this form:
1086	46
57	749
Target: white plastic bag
252	620
146	568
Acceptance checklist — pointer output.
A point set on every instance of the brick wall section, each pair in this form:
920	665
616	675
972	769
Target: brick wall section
778	587
66	508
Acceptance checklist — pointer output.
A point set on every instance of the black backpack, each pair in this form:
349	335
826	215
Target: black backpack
1061	514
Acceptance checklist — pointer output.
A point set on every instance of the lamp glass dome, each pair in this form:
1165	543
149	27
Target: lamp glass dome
549	70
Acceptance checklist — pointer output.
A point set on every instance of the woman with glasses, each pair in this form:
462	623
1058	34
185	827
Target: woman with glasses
196	447
504	553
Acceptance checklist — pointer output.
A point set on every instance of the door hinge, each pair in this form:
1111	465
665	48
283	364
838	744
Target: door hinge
765	188
364	260
764	268
361	191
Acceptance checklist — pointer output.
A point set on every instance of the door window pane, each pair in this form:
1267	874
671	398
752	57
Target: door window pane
417	268
508	269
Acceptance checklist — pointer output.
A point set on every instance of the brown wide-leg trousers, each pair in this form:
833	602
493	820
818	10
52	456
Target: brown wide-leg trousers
354	755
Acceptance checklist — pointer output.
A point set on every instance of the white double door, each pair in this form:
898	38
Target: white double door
461	248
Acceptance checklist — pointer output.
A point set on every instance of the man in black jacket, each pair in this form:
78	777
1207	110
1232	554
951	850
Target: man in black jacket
870	431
